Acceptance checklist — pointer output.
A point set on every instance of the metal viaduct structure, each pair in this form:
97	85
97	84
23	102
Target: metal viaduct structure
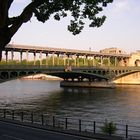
66	53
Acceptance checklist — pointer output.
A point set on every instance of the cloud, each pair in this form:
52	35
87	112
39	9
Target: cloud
122	5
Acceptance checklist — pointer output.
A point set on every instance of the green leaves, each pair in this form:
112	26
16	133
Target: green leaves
75	27
79	9
97	22
109	128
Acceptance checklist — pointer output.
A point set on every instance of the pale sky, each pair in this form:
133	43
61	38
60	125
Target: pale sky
121	29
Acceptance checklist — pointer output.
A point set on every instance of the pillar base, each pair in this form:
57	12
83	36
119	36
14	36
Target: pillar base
87	84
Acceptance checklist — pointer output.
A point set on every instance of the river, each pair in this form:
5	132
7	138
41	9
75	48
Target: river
121	105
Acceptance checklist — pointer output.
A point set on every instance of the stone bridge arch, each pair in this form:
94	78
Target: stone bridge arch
131	77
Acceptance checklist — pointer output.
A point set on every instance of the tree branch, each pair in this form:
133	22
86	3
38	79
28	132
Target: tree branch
25	16
4	7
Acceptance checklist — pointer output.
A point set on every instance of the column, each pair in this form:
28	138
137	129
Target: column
87	60
40	57
6	54
101	57
53	58
12	55
64	58
27	56
93	63
68	60
34	58
84	63
47	59
77	59
115	61
21	56
57	59
108	61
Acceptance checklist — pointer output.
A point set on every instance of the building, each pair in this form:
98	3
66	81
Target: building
113	51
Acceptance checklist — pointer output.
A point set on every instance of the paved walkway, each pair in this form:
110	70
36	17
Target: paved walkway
15	130
11	131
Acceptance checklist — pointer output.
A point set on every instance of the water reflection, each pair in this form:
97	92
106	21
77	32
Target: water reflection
120	105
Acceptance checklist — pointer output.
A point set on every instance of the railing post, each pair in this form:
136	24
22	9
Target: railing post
66	123
53	121
126	134
32	119
79	125
42	119
22	116
4	113
13	114
94	127
110	129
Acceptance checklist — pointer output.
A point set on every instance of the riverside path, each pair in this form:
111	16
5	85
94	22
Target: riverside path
12	131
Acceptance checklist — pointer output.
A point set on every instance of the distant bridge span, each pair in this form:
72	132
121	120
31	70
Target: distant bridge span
46	50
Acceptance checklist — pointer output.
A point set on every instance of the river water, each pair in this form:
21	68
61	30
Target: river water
121	105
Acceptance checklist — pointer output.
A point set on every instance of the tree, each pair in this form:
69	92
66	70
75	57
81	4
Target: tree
43	9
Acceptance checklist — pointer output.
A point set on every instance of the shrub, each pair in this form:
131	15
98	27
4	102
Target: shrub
109	128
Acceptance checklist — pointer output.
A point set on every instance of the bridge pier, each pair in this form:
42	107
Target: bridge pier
101	60
57	59
64	59
68	59
93	61
74	60
6	54
108	61
34	57
53	58
21	54
47	56
87	84
40	57
77	60
84	60
27	56
115	61
12	55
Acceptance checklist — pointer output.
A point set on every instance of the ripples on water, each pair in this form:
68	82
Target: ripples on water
119	105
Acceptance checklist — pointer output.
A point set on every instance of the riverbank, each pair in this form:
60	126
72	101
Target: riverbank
13	119
41	77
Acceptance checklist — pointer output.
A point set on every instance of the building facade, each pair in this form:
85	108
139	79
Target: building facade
113	51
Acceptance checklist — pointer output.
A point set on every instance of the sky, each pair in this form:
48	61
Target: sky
121	29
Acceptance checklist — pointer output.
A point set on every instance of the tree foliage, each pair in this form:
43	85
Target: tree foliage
109	128
43	9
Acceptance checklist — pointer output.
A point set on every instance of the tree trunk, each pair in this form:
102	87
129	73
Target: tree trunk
0	55
5	38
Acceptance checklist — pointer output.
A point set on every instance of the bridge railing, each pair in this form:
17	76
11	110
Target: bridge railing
70	123
73	67
28	67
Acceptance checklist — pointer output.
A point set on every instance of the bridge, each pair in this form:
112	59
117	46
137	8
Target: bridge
67	54
91	74
72	65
